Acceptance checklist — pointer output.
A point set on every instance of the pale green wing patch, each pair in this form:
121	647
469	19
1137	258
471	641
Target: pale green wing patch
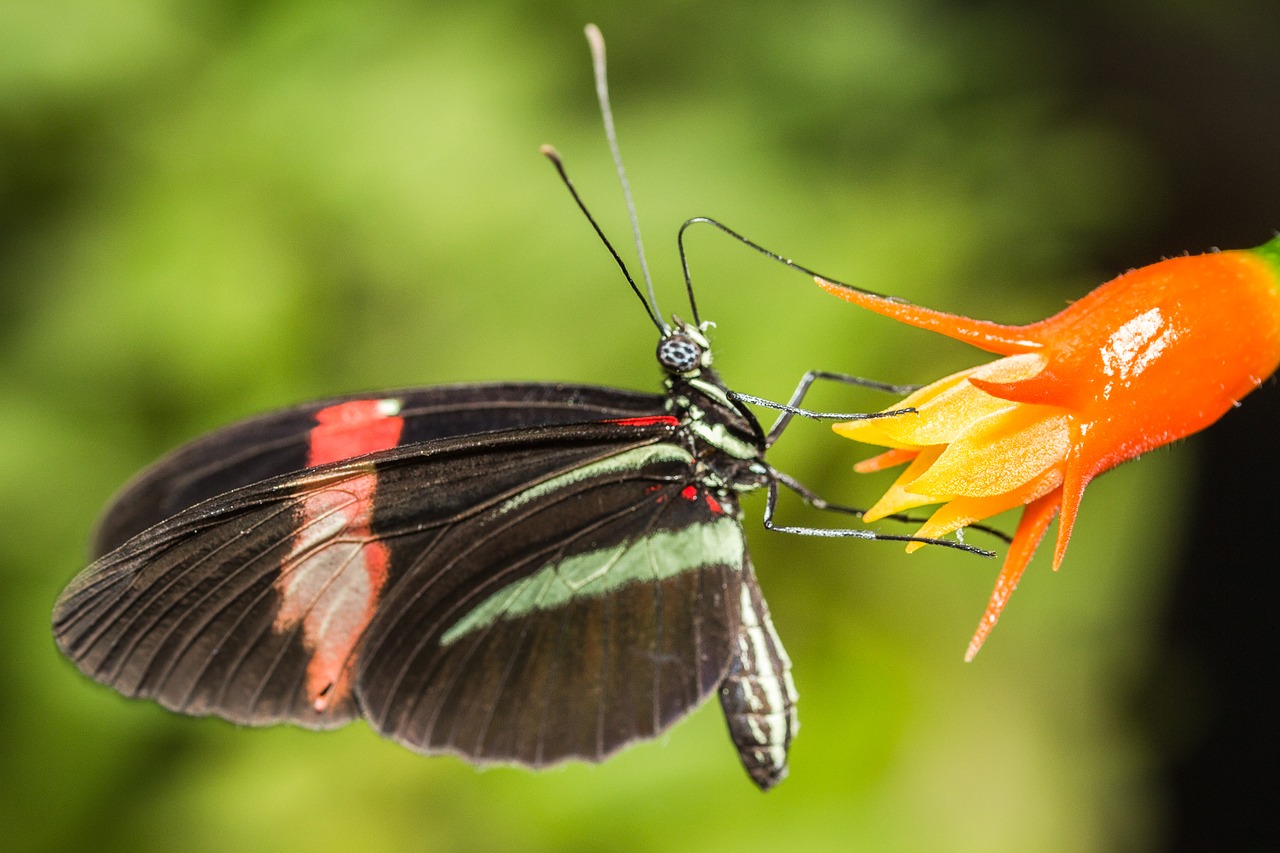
630	460
648	559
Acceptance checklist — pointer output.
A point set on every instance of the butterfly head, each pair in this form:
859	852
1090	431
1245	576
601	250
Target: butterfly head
684	349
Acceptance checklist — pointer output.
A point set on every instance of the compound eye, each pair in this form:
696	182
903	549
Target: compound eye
679	354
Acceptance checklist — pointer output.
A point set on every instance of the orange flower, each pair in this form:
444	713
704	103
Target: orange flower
1154	355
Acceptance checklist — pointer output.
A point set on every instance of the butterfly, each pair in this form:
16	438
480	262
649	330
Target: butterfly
522	572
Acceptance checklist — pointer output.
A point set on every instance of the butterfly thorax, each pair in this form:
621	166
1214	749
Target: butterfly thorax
722	436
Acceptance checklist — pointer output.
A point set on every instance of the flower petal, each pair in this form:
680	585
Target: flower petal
1077	477
947	416
899	497
885	431
1000	453
992	337
1015	368
964	511
946	409
1035	521
888	459
952	407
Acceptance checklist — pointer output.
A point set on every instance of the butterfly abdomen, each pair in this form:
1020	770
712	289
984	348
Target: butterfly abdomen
758	695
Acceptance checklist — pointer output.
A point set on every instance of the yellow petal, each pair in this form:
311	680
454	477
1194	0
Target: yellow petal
881	430
899	497
944	408
964	511
1000	453
873	431
1015	368
946	416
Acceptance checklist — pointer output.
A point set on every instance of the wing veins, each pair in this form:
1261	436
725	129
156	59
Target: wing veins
171	578
506	674
302	437
234	574
509	521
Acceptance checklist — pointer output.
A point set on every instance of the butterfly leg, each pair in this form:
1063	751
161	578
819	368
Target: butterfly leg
792	407
817	502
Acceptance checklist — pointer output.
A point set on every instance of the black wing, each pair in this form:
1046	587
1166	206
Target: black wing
279	442
529	596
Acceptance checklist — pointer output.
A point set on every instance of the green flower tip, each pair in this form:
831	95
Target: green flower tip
1270	252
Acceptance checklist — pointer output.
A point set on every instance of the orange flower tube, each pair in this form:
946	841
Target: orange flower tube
1147	358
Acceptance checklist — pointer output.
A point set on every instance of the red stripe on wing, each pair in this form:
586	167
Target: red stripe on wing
332	579
353	429
648	420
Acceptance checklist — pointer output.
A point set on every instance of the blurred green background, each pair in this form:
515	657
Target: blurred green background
212	209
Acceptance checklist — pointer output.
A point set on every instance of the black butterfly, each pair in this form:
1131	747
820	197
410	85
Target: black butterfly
521	573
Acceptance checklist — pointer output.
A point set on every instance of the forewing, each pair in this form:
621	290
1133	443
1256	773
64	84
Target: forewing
252	605
325	431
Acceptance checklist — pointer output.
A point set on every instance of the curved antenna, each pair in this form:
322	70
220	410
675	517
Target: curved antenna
688	282
596	39
554	156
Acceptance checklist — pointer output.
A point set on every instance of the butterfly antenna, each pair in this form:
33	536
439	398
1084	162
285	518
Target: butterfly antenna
554	156
688	282
596	40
